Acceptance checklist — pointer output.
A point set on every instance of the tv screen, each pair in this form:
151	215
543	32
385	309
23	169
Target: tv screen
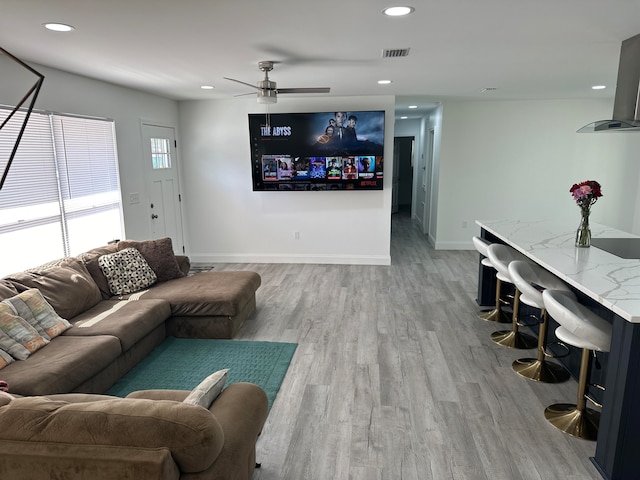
317	151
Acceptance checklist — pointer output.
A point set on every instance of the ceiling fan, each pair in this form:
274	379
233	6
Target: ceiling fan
267	90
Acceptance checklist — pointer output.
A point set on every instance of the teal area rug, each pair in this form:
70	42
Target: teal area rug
182	363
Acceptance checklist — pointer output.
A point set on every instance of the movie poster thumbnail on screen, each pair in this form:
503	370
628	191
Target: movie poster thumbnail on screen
317	151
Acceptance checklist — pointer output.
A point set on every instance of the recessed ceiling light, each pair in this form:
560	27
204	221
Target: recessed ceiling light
384	82
412	106
58	27
398	11
207	87
598	87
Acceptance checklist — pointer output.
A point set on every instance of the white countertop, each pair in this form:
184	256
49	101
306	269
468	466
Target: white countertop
608	279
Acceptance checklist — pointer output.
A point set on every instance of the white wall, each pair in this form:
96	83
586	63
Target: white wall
67	93
228	222
518	159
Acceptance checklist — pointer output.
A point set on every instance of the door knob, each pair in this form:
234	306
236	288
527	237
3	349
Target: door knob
153	216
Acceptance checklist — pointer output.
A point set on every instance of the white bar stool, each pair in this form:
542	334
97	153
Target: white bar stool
501	256
531	279
581	328
493	315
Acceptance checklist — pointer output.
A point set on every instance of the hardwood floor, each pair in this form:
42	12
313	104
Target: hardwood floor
396	378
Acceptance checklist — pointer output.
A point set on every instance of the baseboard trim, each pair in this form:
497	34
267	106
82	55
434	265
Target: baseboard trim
312	259
454	246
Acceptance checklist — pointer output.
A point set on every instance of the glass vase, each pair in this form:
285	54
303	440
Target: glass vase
583	235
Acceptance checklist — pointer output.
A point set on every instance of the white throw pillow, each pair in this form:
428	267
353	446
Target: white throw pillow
127	271
208	390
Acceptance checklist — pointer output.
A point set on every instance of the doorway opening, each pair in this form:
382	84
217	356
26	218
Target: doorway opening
403	162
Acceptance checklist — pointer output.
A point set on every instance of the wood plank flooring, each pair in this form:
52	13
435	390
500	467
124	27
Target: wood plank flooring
396	378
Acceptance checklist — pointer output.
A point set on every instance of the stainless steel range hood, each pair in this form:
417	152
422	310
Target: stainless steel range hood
626	113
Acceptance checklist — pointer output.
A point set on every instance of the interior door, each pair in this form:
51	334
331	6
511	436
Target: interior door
161	165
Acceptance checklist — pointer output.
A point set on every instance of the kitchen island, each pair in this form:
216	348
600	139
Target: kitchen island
609	284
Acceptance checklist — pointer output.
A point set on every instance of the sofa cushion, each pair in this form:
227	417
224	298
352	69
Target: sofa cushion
127	271
159	255
207	293
129	321
208	390
90	261
5	359
17	337
192	434
63	365
7	289
184	263
68	287
32	307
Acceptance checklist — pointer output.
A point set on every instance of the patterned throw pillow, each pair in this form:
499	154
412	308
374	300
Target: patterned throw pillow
32	307
159	255
17	337
208	390
127	271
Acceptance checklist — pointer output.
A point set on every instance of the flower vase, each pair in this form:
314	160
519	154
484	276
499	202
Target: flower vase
583	235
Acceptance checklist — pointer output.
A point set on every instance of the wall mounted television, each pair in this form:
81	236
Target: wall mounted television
317	151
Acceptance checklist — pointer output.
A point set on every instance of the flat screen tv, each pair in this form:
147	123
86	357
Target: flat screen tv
317	151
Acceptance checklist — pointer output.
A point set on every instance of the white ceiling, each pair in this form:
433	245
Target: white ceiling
526	49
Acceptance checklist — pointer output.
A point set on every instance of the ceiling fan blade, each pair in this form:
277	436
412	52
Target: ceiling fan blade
305	90
291	57
243	83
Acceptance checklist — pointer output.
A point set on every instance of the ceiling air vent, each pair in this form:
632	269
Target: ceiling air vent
395	52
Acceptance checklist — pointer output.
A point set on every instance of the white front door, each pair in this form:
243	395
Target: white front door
161	166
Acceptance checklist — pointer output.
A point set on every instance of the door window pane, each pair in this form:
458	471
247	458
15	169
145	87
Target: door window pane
160	153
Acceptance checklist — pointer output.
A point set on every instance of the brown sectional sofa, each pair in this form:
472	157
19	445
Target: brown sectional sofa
109	335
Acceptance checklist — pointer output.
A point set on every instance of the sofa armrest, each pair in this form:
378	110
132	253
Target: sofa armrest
241	410
191	434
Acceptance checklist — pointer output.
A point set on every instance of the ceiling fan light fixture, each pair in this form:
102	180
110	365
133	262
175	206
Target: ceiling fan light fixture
267	96
398	11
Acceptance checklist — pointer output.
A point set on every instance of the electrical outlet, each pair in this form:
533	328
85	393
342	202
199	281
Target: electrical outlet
134	198
296	235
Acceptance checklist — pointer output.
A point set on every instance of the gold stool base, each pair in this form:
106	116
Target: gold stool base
494	315
566	417
540	371
511	339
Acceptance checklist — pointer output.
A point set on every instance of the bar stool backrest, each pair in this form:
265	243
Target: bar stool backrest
578	319
501	256
481	245
526	274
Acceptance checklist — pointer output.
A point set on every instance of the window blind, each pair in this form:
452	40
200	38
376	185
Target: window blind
64	176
